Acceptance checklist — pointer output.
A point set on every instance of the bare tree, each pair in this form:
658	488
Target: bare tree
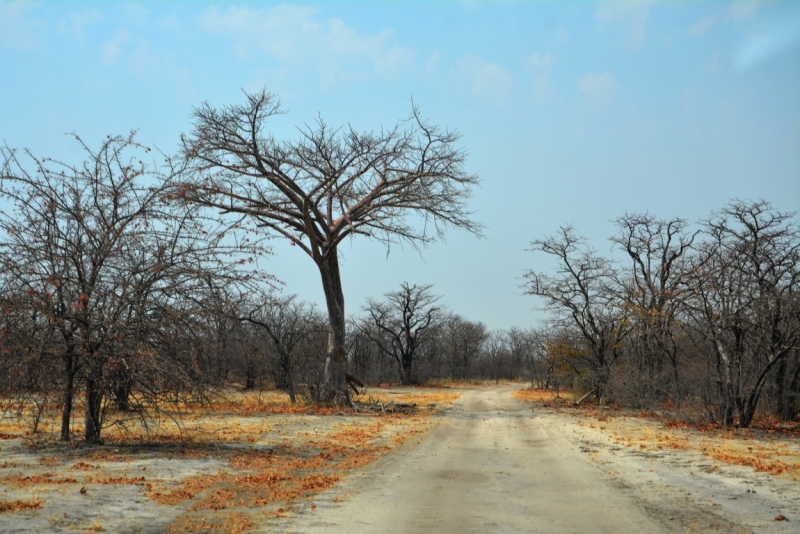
653	291
579	296
496	356
460	343
407	183
401	324
99	249
288	323
528	353
744	303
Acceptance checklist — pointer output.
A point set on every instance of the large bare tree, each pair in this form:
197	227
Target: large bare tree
407	183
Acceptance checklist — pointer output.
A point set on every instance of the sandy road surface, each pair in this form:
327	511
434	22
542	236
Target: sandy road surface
491	468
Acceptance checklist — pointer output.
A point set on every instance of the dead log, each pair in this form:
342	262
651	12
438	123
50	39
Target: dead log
579	401
353	382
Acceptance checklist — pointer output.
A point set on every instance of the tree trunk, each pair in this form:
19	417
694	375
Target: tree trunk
725	380
249	375
71	367
122	387
94	397
603	376
336	359
789	408
406	370
677	378
286	378
780	387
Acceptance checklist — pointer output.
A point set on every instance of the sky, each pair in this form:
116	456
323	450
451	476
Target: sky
572	113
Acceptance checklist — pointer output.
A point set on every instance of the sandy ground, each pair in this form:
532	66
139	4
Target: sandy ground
491	463
492	467
499	465
685	490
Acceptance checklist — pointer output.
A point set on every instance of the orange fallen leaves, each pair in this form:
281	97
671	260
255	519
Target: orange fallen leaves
277	460
18	506
44	478
736	448
83	466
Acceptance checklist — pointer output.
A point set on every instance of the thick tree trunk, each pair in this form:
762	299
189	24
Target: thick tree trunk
122	387
336	359
406	369
94	397
789	409
286	378
603	379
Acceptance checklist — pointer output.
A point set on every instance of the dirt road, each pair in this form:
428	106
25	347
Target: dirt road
491	468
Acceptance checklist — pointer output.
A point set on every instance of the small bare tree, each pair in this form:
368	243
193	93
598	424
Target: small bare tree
401	324
460	343
407	183
288	323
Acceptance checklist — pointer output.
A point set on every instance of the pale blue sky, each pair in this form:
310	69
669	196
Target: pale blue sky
570	112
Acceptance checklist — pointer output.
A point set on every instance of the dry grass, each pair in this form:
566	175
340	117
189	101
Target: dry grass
766	449
764	452
546	395
273	453
408	396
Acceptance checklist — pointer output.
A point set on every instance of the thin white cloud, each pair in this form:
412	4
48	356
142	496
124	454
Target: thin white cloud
598	90
742	10
738	12
73	25
485	78
297	35
281	31
433	61
701	27
634	16
540	61
18	28
541	64
113	48
395	61
171	24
